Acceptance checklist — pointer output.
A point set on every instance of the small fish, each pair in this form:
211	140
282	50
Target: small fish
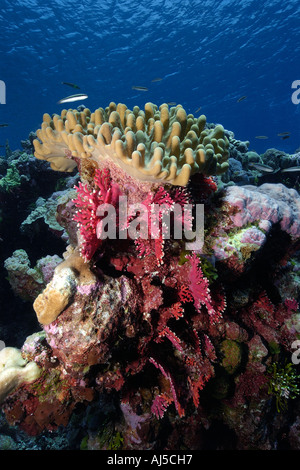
140	88
68	99
158	79
171	103
261	137
197	110
283	133
262	167
242	98
71	85
285	137
3	125
291	169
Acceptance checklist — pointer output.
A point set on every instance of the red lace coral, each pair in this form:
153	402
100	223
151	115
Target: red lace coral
158	206
199	288
291	305
160	404
89	198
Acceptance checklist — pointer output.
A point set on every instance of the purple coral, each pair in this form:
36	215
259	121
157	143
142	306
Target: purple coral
254	236
274	203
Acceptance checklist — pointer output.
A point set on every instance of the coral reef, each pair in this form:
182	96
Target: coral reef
37	182
46	210
25	281
149	344
267	204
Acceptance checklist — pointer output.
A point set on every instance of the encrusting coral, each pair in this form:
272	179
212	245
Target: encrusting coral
72	273
158	145
15	370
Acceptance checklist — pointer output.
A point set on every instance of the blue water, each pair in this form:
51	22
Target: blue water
207	52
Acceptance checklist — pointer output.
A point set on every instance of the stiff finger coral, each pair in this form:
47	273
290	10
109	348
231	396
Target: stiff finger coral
157	144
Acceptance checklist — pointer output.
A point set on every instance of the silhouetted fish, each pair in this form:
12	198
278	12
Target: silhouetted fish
291	169
285	137
261	137
242	98
140	88
283	133
73	85
3	125
158	79
262	167
69	99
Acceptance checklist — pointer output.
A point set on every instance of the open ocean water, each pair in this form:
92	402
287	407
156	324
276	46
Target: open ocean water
207	54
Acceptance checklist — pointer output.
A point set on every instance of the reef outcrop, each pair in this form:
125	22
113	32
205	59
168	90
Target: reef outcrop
182	345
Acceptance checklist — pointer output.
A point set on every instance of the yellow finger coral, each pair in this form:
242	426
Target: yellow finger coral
160	145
